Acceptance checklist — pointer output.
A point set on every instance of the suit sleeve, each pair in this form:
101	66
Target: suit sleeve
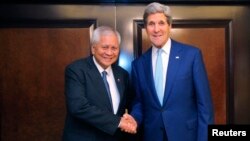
79	107
135	89
203	94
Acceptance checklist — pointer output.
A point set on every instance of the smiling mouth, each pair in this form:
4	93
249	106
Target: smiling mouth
107	59
156	36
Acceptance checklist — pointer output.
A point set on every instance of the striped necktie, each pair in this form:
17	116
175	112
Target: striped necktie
104	77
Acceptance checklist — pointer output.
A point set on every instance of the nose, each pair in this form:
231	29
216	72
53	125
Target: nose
156	28
109	51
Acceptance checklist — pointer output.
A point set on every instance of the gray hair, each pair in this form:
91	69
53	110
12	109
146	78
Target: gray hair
103	30
155	7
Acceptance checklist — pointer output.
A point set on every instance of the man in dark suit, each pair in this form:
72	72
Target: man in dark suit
95	90
172	94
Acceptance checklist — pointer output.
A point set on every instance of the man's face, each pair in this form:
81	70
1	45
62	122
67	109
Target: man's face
106	51
158	29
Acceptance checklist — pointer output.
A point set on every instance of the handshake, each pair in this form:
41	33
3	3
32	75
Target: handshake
128	123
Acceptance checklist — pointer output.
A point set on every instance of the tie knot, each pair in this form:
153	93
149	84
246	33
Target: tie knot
159	51
104	73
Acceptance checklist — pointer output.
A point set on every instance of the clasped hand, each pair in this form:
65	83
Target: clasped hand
128	124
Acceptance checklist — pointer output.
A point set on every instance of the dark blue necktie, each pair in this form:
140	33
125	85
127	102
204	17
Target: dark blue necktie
104	77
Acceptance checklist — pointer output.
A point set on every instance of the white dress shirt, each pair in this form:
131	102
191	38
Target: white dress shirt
112	85
165	59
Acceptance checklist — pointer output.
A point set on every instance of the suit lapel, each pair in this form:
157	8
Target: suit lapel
147	63
119	83
98	81
173	65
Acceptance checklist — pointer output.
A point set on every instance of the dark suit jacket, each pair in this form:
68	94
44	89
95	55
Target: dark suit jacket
187	107
89	113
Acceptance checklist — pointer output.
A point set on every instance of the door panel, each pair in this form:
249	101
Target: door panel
33	100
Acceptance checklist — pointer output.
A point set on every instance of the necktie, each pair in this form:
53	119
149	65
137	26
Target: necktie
159	77
104	77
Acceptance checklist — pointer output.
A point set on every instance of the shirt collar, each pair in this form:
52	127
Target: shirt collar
165	48
100	69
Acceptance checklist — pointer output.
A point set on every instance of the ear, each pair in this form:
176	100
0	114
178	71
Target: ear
93	49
